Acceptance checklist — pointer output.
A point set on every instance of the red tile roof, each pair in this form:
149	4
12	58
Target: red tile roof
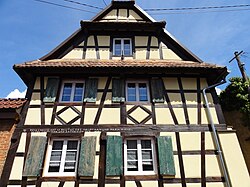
117	63
11	103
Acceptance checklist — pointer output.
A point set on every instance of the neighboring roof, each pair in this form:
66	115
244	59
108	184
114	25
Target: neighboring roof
81	63
12	103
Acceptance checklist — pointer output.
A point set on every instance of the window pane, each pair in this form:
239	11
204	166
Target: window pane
118	47
57	145
67	89
69	167
127	47
147	155
147	166
146	144
72	145
54	167
56	156
143	95
132	155
78	94
132	166
131	92
71	156
131	144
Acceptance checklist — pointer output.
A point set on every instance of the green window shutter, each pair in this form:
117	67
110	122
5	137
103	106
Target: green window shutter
118	90
157	91
114	162
34	160
86	164
165	153
51	90
91	90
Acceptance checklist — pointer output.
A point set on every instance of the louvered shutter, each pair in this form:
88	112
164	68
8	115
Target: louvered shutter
34	160
51	90
91	90
165	153
157	91
86	164
118	90
114	160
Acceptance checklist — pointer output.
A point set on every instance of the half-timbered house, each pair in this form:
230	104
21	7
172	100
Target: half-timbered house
121	103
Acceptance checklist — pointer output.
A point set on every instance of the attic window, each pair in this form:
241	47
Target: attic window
122	47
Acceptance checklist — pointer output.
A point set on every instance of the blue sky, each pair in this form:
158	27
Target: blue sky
30	29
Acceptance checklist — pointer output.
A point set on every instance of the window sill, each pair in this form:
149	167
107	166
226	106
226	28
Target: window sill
58	178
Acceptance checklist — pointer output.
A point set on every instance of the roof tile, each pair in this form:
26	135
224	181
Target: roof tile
11	103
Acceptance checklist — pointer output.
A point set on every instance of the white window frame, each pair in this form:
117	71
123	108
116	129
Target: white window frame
61	173
122	46
72	91
139	155
137	90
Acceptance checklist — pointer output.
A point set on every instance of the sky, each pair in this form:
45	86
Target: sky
30	29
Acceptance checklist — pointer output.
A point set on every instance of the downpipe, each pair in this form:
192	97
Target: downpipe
215	135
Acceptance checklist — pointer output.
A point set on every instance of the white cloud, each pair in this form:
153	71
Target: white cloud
16	94
218	90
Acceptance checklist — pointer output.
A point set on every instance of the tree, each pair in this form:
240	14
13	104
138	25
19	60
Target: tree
235	97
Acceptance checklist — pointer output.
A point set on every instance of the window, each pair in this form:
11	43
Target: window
72	91
137	91
122	47
62	157
139	157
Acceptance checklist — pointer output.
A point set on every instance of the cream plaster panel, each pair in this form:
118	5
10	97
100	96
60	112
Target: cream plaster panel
104	53
209	98
189	83
50	184
111	15
130	184
171	83
149	183
122	14
192	166
172	185
35	99
90	114
96	166
108	99
48	115
140	53
112	185
88	185
81	44
172	134
154	41
212	166
110	116
102	82
141	40
204	119
190	141
90	54
203	83
163	116
74	54
56	122
177	167
16	171
113	134
214	115
91	41
215	184
191	98
37	83
33	117
68	115
179	113
193	185
39	134
69	184
139	114
169	54
129	122
154	54
134	15
149	122
175	98
103	40
192	115
235	162
209	143
98	98
21	146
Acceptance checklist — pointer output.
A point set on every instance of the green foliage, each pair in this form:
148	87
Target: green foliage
235	97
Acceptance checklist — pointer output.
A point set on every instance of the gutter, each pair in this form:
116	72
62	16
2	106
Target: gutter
215	135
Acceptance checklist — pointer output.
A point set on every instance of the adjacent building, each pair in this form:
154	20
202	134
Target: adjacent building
119	104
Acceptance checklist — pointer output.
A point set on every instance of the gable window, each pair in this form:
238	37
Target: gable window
139	157
72	91
122	47
62	157
137	91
